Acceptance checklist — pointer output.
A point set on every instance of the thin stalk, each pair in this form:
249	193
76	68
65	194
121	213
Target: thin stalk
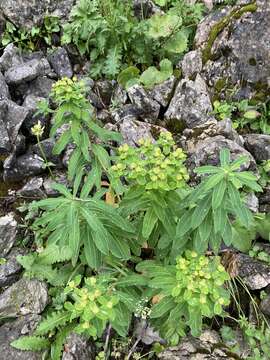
44	157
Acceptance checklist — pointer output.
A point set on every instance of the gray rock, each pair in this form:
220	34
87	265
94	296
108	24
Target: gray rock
252	202
127	111
5	145
254	273
207	346
8	232
60	63
60	178
147	107
4	92
144	9
265	305
12	331
27	71
206	152
23	167
31	104
104	116
29	13
10	270
162	93
78	347
25	297
192	64
133	130
190	105
104	91
13	117
47	146
33	189
40	87
119	97
235	57
10	58
258	145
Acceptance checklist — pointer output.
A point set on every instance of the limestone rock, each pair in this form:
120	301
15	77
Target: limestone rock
190	105
24	297
8	232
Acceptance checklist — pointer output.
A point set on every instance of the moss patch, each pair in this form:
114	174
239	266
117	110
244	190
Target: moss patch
217	28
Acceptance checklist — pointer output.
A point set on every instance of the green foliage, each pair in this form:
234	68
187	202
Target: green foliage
264	170
114	38
210	208
245	116
33	343
150	77
86	310
258	253
29	40
155	173
87	225
74	109
186	292
40	265
258	339
153	166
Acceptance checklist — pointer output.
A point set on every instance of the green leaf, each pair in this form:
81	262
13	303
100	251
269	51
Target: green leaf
113	62
242	237
127	75
218	194
74	163
163	25
102	156
119	248
58	345
201	211
165	305
85	145
224	157
92	178
178	43
248	179
62	142
31	343
212	181
220	218
74	234
235	165
62	190
195	321
92	254
99	233
149	222
207	169
205	230
75	132
52	322
239	209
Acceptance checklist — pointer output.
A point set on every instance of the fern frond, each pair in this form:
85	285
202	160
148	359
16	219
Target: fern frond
31	343
58	344
52	322
54	254
113	62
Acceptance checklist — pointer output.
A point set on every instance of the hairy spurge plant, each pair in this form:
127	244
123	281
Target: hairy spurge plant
154	172
89	159
83	225
87	310
211	208
185	293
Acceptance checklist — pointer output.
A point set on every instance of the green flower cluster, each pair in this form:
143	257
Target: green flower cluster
92	304
200	283
156	166
71	91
